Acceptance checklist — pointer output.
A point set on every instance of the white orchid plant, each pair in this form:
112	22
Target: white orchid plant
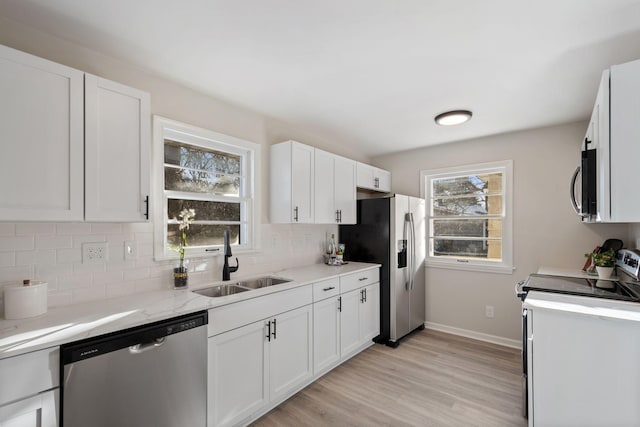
186	219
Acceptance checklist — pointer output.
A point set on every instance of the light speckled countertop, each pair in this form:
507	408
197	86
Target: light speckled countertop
75	322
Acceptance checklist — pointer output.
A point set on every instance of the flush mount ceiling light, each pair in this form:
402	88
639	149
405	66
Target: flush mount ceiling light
451	118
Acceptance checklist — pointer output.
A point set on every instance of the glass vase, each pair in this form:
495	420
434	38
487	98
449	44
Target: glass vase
180	276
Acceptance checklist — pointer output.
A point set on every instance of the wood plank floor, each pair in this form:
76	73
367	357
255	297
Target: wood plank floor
431	379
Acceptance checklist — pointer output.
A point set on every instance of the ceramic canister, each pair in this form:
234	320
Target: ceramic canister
21	301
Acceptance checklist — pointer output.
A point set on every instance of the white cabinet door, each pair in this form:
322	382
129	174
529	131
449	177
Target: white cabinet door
117	152
625	140
290	351
237	374
345	189
371	178
370	313
324	203
583	368
335	189
326	334
41	167
364	176
40	410
291	183
382	180
349	322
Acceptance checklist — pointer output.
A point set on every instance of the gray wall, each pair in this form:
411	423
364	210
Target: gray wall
546	231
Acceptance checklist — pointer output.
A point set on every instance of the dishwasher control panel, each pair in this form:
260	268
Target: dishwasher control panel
132	337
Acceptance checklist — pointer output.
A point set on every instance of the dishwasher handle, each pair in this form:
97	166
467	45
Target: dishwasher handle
142	347
136	340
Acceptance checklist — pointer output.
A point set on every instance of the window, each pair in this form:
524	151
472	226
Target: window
211	173
469	217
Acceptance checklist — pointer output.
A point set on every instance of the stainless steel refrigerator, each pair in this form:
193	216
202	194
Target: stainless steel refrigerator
391	231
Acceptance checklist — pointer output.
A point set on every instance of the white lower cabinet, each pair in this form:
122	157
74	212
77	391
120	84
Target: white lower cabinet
265	349
582	361
359	318
369	313
256	364
29	395
349	322
290	351
237	384
326	334
344	325
36	411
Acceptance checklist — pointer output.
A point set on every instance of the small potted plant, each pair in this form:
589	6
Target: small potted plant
180	276
604	262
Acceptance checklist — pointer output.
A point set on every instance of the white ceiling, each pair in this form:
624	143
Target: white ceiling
372	73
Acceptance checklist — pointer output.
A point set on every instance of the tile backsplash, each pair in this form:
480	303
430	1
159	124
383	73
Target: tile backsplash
52	252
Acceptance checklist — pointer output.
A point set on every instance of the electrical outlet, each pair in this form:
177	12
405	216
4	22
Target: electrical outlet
488	311
130	250
94	252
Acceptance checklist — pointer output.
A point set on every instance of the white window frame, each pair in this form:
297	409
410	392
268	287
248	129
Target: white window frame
164	128
505	266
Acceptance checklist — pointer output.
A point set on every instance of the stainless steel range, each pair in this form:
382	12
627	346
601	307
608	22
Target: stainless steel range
626	287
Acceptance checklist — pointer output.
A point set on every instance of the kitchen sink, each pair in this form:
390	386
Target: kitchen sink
262	282
227	289
221	290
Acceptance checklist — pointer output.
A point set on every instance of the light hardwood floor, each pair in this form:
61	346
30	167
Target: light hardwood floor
431	379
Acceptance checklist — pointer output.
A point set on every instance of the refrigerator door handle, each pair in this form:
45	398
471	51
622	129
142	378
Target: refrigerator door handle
406	236
412	272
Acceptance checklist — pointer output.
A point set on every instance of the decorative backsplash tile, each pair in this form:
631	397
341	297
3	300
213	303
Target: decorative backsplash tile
53	252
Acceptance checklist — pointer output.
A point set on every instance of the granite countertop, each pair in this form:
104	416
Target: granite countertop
79	321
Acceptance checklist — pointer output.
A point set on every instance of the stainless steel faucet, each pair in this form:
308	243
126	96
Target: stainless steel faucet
227	270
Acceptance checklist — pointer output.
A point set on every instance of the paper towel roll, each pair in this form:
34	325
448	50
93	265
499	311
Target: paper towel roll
25	301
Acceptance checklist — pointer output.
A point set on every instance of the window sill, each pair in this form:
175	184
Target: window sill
482	268
201	255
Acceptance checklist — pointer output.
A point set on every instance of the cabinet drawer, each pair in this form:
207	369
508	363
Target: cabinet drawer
29	374
231	316
325	289
353	281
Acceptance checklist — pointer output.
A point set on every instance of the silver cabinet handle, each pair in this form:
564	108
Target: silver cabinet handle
295	214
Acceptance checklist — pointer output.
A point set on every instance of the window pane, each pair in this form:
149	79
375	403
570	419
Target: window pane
196	181
191	157
467	228
490	250
205	211
204	235
471	184
468	206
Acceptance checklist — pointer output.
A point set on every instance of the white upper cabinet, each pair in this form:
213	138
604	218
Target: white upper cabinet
41	119
335	189
78	147
291	183
373	178
624	140
117	151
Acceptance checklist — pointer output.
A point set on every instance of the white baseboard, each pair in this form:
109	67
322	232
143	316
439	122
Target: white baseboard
473	334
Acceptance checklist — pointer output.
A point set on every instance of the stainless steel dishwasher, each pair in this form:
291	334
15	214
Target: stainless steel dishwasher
153	375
